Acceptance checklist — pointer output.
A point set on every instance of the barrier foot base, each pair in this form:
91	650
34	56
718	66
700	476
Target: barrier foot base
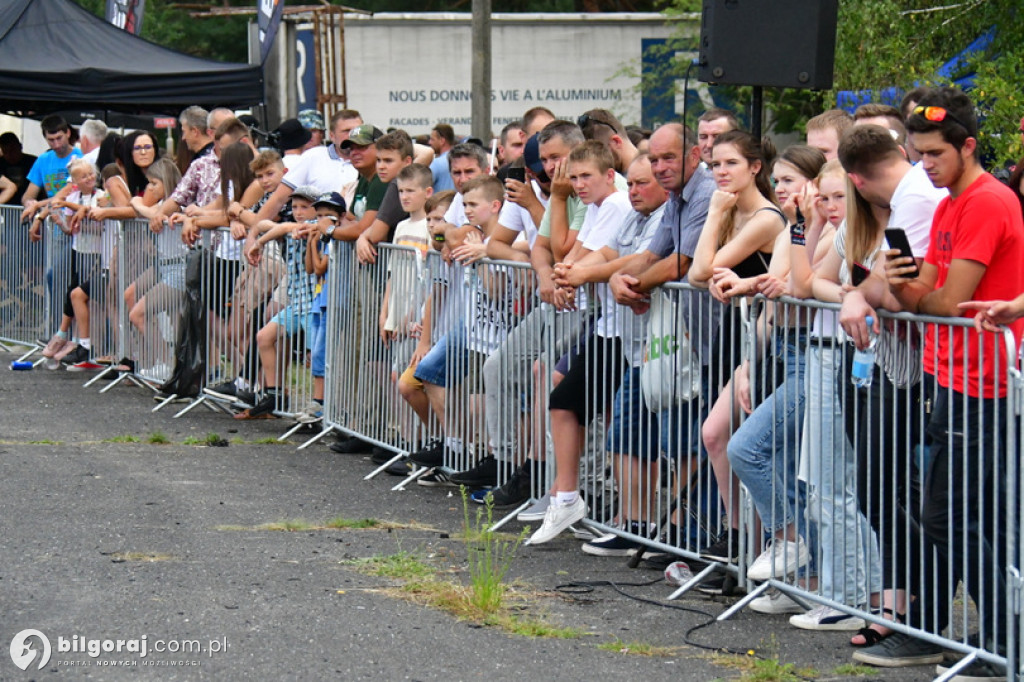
29	354
165	402
694	581
955	669
287	434
511	515
414	476
185	410
121	377
99	376
323	432
742	603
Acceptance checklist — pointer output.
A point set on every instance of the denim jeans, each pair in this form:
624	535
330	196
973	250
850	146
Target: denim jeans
849	560
763	451
508	371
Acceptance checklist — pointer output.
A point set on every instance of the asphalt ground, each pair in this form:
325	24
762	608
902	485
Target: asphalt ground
105	540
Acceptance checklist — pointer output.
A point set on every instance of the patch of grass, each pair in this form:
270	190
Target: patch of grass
533	627
489	556
144	557
126	438
403	565
289	525
44	442
347	524
770	669
211	440
638	648
158	438
854	670
269	440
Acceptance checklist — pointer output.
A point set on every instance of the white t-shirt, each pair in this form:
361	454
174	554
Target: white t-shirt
89	238
456	213
408	293
516	218
601	227
913	205
322	168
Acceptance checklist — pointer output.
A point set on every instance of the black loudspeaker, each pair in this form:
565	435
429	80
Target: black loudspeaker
774	43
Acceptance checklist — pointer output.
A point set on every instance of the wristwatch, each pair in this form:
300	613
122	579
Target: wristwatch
330	231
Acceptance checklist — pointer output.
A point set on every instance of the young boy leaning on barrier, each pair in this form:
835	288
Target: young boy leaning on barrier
330	208
296	316
423	381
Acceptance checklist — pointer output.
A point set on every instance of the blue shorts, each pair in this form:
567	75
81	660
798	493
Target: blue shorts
291	323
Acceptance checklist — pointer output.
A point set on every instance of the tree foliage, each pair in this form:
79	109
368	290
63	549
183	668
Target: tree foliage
902	44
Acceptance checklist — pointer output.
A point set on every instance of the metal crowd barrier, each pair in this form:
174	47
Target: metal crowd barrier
24	292
900	499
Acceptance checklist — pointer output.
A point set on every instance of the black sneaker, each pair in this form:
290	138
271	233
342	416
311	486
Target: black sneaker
725	549
351	446
435	479
516	489
898	651
265	405
76	356
484	474
225	391
430	456
379	455
245	399
399	468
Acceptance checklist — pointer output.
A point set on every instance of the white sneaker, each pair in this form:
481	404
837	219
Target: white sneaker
558	518
826	618
310	415
160	372
536	511
774	603
780	558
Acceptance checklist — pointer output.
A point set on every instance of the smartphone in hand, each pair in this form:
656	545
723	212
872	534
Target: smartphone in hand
897	239
859	274
516	174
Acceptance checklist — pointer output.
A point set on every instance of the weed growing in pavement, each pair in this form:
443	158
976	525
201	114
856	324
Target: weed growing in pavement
489	556
346	524
854	670
192	440
127	438
158	438
402	564
44	442
289	525
638	648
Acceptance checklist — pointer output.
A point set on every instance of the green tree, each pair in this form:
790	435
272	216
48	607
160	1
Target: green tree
902	43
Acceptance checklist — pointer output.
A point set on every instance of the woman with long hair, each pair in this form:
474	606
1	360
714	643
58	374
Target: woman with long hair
734	250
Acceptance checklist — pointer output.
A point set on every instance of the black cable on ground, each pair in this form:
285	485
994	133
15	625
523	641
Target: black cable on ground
588	586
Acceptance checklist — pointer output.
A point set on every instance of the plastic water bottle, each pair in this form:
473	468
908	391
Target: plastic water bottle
864	360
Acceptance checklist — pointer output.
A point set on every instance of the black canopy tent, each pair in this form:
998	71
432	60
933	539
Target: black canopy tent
56	56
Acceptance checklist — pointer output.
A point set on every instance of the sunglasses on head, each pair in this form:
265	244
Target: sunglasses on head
938	115
585	120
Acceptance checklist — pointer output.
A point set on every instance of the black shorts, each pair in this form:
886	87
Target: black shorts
595	372
219	284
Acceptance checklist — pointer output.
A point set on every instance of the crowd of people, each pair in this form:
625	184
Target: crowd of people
883	211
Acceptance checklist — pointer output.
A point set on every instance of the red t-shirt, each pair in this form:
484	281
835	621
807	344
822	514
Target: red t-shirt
984	225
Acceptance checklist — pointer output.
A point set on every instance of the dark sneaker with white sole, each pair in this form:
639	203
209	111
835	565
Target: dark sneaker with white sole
899	651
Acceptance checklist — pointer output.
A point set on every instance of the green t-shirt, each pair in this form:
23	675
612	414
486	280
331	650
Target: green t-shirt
576	210
369	194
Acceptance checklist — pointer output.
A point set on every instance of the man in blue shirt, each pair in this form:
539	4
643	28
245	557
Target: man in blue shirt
442	139
50	171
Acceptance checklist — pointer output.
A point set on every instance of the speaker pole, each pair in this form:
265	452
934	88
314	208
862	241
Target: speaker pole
756	106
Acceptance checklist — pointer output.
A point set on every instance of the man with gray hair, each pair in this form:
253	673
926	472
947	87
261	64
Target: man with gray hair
195	133
90	135
465	161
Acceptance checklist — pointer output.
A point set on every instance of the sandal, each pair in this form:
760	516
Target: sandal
872	636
